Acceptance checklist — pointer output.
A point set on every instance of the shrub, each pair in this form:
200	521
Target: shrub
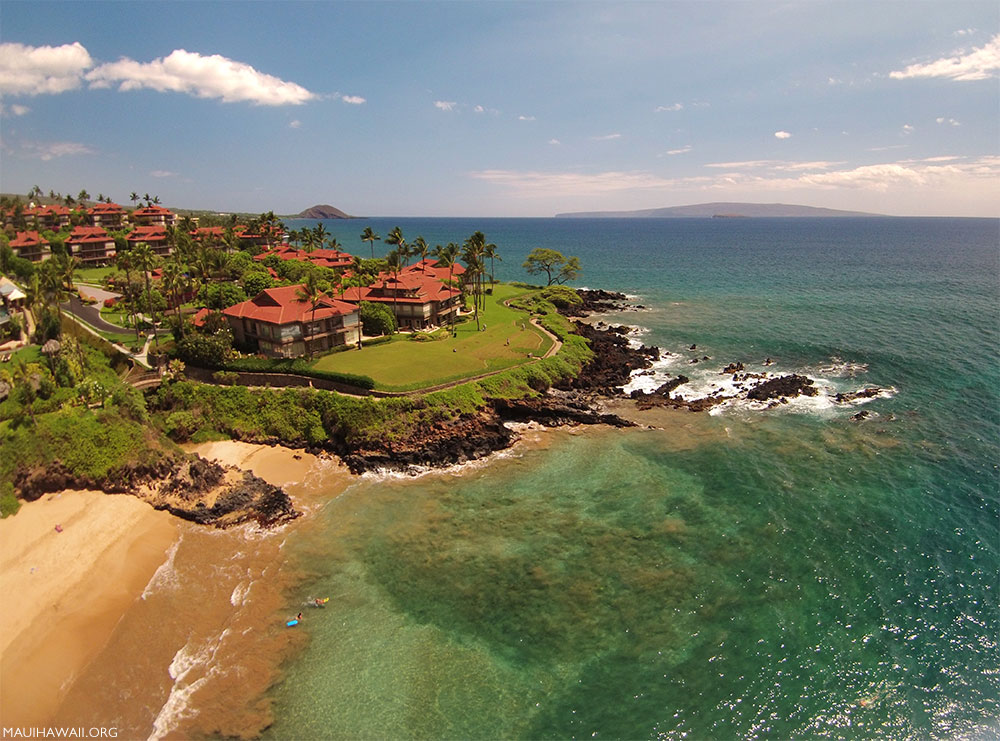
9	504
110	302
377	319
226	378
180	425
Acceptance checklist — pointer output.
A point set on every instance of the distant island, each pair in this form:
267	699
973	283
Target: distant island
322	211
720	210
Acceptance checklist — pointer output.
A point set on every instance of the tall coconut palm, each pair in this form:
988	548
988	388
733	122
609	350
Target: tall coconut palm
394	263
421	249
124	262
395	238
310	293
146	260
371	237
446	257
472	254
175	283
134	197
319	235
490	251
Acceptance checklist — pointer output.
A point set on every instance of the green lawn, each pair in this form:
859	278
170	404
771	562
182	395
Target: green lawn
406	365
95	276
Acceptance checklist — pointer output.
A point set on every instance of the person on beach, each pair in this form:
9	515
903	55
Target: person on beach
299	616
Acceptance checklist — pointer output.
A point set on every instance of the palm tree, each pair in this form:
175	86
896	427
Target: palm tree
175	283
490	251
320	234
371	237
446	257
147	199
334	244
134	197
421	249
145	259
472	254
310	293
395	238
393	261
124	262
83	196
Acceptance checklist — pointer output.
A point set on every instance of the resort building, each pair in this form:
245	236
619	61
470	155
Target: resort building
91	245
153	215
279	324
53	217
154	236
417	301
31	246
107	215
324	258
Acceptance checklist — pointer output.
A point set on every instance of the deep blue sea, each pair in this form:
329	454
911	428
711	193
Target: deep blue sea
783	573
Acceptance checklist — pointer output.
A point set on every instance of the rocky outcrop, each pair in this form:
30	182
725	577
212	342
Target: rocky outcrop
783	387
613	362
185	485
442	444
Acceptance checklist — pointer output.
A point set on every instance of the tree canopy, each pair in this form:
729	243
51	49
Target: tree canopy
557	268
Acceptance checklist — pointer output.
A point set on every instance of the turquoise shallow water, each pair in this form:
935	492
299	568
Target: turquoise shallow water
782	574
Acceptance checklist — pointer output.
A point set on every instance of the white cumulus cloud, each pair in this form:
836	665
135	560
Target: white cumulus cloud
782	135
34	70
14	110
445	105
533	183
683	150
979	64
353	99
668	108
606	137
949	121
525	118
296	124
50	150
211	76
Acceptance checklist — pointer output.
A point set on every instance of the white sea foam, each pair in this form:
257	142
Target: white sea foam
187	662
241	593
165	576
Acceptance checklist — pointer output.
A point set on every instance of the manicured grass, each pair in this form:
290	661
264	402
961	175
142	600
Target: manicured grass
406	365
94	275
28	354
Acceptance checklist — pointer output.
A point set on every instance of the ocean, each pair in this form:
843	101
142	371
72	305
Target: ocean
790	572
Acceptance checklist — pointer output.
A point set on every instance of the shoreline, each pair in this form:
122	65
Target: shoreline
70	590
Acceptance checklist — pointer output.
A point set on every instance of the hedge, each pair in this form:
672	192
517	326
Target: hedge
298	366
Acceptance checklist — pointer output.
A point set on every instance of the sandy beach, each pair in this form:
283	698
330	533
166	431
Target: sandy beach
64	592
75	609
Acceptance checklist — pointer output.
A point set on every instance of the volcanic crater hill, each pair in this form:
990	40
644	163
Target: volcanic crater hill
322	211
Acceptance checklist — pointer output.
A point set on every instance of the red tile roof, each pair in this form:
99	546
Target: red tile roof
153	233
106	208
430	267
282	306
82	234
426	288
152	211
27	239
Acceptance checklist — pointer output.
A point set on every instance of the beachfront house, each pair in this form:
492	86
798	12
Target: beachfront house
278	323
417	299
31	245
91	245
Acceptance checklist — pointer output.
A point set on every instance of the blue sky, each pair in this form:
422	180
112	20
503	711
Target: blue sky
503	108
